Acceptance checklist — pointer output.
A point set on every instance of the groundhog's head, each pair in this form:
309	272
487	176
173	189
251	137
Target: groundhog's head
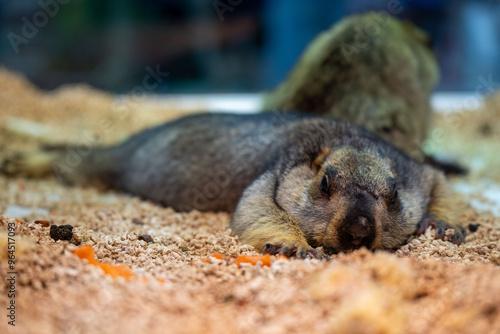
351	201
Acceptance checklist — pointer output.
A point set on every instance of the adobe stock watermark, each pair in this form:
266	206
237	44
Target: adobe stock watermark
30	28
119	111
223	6
11	274
485	86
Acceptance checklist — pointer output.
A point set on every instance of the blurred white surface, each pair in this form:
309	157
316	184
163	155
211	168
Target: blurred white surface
454	101
441	102
486	193
244	103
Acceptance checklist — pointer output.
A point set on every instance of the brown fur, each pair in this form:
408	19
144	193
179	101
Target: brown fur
298	196
372	70
293	186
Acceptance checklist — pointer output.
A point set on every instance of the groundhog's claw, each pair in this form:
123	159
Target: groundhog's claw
459	236
441	227
289	249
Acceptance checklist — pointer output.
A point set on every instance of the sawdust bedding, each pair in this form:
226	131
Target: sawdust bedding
427	286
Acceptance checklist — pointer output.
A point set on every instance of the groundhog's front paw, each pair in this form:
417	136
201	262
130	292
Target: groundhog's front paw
297	249
441	227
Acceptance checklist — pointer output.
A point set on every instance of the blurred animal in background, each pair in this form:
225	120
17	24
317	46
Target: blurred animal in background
372	70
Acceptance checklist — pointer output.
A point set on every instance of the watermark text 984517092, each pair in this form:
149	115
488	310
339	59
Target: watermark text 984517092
11	273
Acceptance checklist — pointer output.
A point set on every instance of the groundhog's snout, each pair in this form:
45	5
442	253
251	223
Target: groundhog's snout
358	230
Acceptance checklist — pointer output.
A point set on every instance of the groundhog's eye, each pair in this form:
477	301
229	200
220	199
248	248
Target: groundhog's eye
394	196
325	186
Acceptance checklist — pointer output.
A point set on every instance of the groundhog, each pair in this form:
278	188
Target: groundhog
372	70
294	181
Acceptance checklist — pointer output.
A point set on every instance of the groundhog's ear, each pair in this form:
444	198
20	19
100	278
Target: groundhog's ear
391	165
320	159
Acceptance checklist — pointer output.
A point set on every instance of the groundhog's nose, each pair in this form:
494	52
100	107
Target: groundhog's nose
359	229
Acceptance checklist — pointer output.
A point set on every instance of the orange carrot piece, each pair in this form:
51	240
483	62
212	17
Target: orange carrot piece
117	270
86	252
114	270
221	256
217	256
266	259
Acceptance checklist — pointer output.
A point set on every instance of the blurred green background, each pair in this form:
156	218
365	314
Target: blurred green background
221	45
